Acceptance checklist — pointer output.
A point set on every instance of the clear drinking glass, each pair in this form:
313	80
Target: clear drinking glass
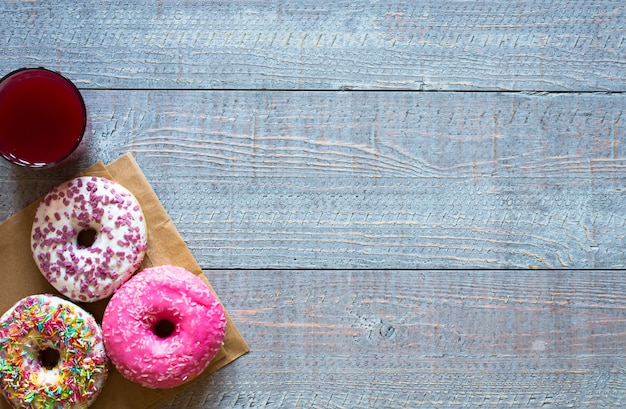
43	118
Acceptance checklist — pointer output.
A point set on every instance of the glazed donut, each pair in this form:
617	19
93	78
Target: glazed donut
162	327
51	354
88	237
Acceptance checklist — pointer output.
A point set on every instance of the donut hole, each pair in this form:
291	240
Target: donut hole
49	357
164	328
86	237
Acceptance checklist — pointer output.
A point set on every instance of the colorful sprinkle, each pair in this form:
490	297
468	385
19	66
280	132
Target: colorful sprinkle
40	322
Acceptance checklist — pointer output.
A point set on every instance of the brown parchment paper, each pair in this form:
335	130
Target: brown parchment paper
20	277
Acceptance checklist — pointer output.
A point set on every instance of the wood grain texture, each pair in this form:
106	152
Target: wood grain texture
350	173
391	339
373	180
533	45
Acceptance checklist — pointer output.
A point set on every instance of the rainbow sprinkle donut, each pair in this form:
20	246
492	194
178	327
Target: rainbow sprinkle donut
51	354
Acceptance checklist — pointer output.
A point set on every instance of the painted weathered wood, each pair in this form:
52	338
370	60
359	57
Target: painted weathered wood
361	179
408	339
238	114
309	44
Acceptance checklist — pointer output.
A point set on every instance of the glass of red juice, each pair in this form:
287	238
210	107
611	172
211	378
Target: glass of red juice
43	118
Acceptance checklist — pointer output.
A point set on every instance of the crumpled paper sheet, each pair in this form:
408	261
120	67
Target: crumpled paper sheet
20	277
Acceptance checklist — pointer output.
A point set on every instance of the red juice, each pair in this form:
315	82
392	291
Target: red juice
42	118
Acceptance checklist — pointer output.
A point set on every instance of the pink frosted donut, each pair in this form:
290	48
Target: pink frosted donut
163	327
88	237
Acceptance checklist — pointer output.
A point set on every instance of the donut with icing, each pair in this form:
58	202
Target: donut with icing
88	237
163	327
51	354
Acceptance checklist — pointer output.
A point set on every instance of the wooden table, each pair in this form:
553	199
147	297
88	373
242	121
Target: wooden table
402	204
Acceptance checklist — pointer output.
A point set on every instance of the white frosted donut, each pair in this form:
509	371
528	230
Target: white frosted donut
88	237
51	354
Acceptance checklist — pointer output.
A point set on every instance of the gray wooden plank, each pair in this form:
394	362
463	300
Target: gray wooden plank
398	339
371	180
307	44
